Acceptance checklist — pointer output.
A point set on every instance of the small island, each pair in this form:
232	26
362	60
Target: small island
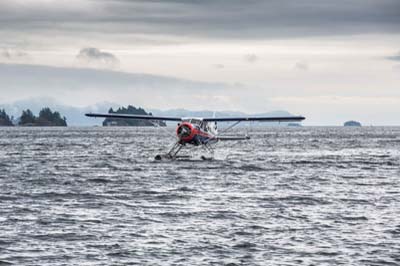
5	119
130	122
46	118
352	123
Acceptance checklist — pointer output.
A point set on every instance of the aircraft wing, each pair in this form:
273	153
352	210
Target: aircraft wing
138	117
256	118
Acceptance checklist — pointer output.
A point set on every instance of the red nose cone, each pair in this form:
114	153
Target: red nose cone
185	131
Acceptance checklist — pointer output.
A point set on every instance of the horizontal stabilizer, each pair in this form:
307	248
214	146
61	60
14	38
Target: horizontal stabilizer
233	138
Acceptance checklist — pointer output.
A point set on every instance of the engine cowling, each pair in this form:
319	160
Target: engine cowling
185	132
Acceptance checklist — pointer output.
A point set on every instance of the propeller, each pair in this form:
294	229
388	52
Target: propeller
184	131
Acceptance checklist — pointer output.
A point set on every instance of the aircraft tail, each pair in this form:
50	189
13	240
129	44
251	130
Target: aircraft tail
214	124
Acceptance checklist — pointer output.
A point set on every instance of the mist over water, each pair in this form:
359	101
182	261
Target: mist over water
288	196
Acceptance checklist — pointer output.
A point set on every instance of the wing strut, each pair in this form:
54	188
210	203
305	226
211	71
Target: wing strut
231	126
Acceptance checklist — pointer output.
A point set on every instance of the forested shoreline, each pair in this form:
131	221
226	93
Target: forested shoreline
46	117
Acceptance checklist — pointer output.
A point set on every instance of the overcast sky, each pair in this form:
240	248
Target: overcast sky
328	60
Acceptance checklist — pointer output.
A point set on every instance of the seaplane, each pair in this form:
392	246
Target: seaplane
195	131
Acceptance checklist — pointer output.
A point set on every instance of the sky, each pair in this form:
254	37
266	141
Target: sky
330	61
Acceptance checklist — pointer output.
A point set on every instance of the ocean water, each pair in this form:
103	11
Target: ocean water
288	196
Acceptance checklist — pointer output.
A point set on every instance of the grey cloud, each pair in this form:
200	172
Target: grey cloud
13	55
208	18
94	57
6	54
251	58
219	66
303	66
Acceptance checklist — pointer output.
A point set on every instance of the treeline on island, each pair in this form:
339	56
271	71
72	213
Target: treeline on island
5	119
131	122
46	118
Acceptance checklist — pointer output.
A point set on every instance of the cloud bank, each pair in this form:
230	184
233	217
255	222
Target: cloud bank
83	86
253	19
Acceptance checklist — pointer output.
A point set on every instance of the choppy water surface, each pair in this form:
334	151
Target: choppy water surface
289	196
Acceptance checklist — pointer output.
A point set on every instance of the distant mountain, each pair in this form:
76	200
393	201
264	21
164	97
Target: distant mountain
76	115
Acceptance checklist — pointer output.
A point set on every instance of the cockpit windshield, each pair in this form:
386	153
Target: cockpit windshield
195	121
